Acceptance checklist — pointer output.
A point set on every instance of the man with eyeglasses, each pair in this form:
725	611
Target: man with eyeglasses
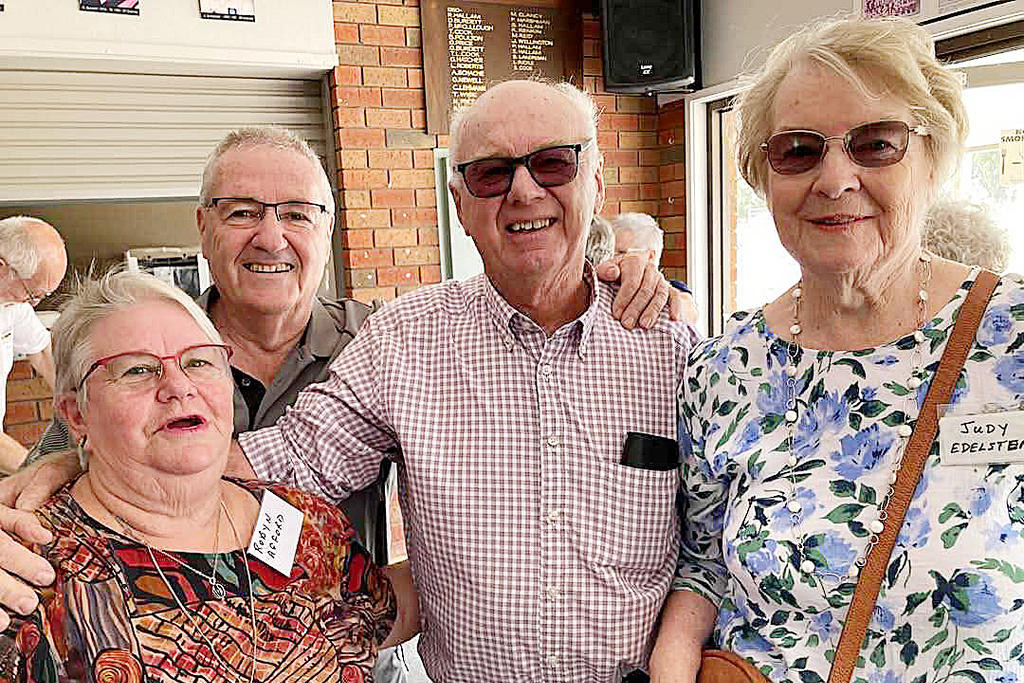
533	433
32	264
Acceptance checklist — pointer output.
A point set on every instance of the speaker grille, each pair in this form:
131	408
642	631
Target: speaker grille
648	43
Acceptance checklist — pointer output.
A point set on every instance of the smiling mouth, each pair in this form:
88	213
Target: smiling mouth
185	423
838	220
268	268
530	226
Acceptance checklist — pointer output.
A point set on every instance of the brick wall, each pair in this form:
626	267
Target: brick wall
672	175
29	404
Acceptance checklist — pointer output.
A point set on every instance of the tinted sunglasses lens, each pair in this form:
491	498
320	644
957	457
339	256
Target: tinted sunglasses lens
792	152
878	144
555	166
488	177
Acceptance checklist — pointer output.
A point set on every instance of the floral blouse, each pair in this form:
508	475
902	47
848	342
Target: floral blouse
770	530
111	618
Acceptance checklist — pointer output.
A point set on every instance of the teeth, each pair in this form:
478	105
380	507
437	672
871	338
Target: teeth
275	268
526	226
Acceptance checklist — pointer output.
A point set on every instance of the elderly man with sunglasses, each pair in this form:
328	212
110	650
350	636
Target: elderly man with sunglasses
532	432
32	264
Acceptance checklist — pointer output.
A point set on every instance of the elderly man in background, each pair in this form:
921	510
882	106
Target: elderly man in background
32	264
533	434
600	241
639	233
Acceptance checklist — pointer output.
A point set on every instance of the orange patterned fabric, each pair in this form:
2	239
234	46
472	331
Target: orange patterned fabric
112	619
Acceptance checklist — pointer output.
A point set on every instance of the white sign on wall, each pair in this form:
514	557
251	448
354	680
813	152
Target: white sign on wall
1011	151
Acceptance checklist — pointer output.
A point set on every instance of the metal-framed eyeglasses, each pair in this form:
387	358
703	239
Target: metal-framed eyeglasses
31	297
549	167
202	363
246	212
873	145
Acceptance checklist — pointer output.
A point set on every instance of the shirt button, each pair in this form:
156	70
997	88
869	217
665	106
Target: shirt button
552	592
552	661
545	370
554	441
554	515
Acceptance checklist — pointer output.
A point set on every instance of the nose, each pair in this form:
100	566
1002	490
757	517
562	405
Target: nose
524	188
269	234
173	382
837	173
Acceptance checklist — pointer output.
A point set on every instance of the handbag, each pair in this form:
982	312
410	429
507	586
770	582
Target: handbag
722	666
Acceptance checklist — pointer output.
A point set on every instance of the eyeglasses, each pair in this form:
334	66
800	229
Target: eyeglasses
32	297
549	167
876	144
202	363
245	212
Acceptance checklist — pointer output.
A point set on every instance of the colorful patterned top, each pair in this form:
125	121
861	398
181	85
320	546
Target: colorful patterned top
951	603
112	620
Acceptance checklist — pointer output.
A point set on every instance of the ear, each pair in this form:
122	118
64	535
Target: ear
599	177
66	405
456	189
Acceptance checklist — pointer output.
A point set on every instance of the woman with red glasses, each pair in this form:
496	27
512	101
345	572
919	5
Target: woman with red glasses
167	571
814	477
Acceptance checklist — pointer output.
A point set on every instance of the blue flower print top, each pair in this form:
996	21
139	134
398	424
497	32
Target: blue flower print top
771	529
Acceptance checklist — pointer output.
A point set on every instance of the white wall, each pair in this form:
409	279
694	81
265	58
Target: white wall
290	38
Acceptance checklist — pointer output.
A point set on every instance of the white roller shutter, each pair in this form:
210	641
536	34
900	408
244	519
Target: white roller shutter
78	135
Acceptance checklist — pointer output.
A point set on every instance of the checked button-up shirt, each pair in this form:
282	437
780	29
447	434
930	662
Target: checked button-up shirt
537	556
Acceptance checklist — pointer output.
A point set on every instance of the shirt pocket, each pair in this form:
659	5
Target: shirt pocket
627	517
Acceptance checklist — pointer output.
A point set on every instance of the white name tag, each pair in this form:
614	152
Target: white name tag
982	438
276	535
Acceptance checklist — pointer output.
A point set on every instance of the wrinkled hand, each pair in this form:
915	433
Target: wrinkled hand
21	494
643	291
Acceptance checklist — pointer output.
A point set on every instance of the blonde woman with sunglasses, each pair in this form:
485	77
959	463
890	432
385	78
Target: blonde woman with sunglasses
799	415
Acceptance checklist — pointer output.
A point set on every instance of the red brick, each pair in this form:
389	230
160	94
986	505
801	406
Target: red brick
621	157
349	117
676	188
413	179
443	141
357	239
638	174
365	138
591	66
367	218
386	197
607	140
650	191
616	193
26	434
394	237
611	176
648	122
605	103
670	116
363	179
591	48
636	104
419	119
417	256
619	122
666	173
352	158
371	294
22	369
346	33
360	13
382	35
358	97
368	258
416	217
426	197
354	199
401	56
671	207
415	77
637	140
640	207
20	412
610	209
363	55
430	275
413	37
390	158
405	289
675	241
670	136
361	278
423	158
400	16
45	410
25	389
348	75
427	236
390	77
593	84
403	99
592	29
673	224
388	118
398	276
674	258
649	157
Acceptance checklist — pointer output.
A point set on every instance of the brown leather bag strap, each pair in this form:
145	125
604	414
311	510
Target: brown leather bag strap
914	458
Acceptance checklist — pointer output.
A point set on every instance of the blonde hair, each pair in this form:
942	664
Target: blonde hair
890	56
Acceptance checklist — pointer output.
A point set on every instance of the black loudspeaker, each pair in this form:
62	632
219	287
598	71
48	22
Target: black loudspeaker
651	45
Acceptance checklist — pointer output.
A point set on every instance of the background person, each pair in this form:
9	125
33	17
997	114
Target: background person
153	579
600	241
798	415
966	232
32	265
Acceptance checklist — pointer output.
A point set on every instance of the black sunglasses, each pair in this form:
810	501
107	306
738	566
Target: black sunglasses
549	167
875	144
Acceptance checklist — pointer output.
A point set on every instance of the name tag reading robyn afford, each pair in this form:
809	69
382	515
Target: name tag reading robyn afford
982	438
277	533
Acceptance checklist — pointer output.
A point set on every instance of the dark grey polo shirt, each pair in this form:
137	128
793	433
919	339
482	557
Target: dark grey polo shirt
331	326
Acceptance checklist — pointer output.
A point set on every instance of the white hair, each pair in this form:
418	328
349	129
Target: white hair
262	136
95	299
600	241
644	229
17	246
966	232
580	100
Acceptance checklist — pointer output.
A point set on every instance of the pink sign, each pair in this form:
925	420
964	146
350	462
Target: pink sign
891	8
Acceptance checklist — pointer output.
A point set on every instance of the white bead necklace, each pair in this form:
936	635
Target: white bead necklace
904	431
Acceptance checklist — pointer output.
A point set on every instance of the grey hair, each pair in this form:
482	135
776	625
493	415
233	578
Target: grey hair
644	228
17	246
579	99
260	136
95	299
966	232
600	241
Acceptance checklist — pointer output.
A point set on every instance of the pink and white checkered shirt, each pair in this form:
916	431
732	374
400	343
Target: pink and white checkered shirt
538	557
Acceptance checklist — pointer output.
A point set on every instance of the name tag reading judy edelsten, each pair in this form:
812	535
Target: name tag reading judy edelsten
276	535
982	438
